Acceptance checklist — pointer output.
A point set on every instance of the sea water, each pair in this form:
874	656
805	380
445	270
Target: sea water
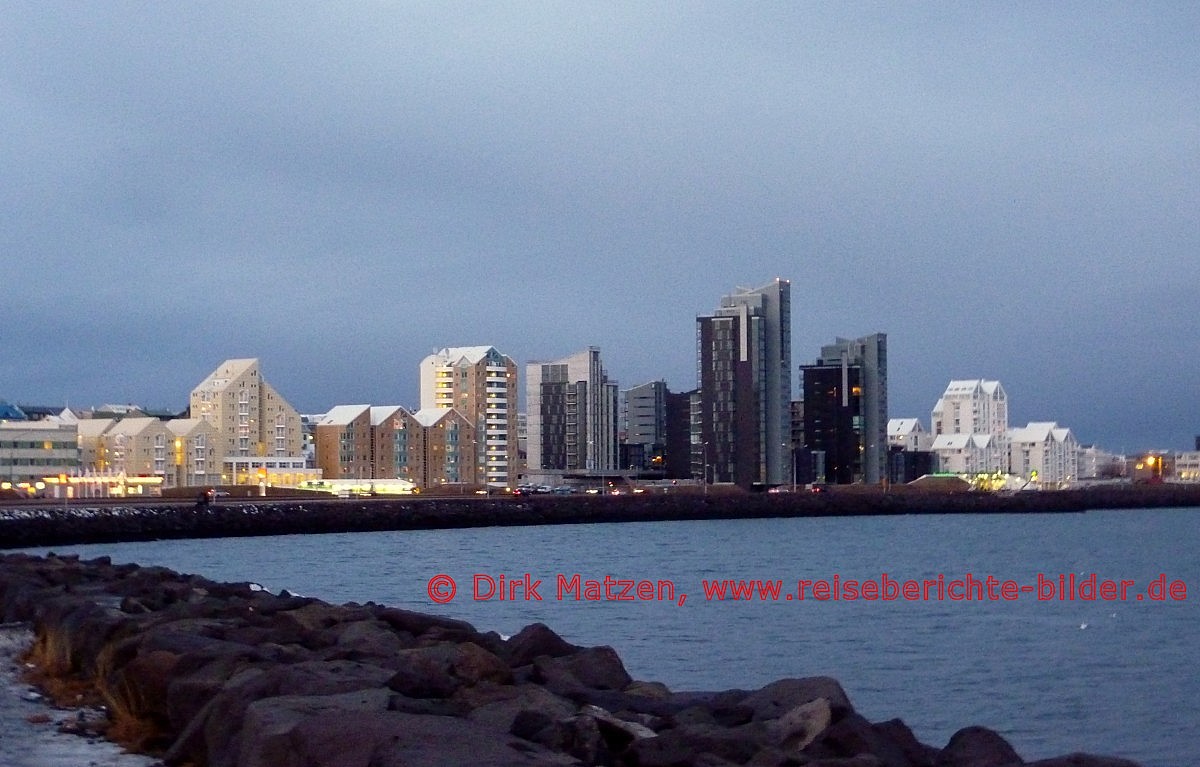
1052	675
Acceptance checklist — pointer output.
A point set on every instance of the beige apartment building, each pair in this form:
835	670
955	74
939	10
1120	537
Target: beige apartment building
479	383
194	458
250	417
139	447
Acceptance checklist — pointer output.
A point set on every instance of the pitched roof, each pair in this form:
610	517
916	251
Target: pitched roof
181	427
429	416
342	415
94	427
898	427
962	441
380	413
1035	432
226	372
132	426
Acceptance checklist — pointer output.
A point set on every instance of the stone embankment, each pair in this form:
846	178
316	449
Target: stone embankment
24	525
225	675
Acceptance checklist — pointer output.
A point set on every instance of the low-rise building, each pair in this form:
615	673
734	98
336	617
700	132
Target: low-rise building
908	434
970	453
1044	453
1187	466
32	451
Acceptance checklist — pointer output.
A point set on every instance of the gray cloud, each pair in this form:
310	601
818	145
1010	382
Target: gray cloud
1008	192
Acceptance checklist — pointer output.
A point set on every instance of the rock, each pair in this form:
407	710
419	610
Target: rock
211	736
437	671
802	724
268	738
369	639
527	702
683	745
977	747
597	668
1082	760
917	753
779	697
853	735
533	641
416	624
237	676
655	690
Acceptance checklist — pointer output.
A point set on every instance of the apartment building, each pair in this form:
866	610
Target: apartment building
195	461
1044	453
442	451
976	408
343	441
970	453
572	416
251	418
845	409
479	383
742	425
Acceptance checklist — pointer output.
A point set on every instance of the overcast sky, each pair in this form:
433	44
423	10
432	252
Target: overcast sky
1008	190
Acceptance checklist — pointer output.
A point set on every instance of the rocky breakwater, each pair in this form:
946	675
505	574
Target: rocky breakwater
217	674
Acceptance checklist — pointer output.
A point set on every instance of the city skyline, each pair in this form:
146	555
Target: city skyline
1008	193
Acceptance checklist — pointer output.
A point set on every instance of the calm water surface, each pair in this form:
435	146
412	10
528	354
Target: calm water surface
1053	677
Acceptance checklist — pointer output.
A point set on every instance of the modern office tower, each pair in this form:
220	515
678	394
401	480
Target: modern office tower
678	463
742	428
250	417
481	384
572	414
644	427
845	410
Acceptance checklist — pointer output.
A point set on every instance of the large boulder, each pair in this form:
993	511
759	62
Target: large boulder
534	641
596	668
977	747
853	735
1082	760
779	697
436	671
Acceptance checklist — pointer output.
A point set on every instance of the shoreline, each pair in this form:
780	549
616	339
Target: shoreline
206	673
37	524
40	734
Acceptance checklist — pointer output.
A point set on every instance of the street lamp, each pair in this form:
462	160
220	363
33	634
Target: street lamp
704	479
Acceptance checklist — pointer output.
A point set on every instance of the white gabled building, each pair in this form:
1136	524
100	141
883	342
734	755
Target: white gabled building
974	406
908	434
1044	453
970	427
970	453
